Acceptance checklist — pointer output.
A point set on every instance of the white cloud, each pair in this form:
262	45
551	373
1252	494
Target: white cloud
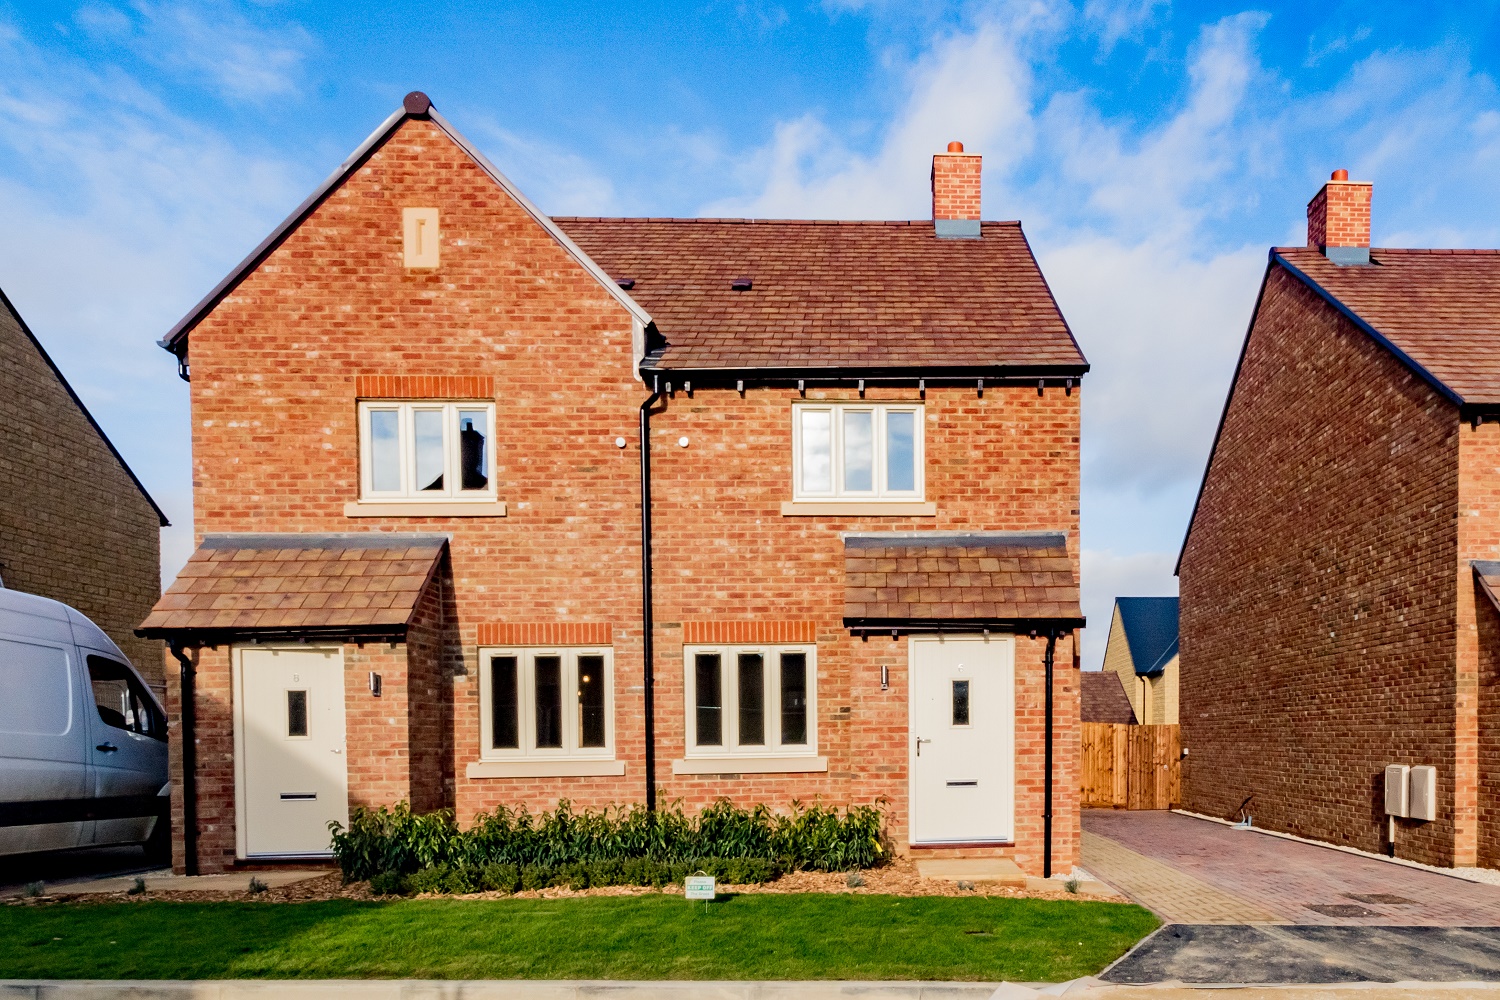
971	87
121	214
213	43
1115	21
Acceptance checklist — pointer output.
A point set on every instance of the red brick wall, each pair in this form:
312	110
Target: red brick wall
1317	584
275	375
1004	461
1339	215
1478	676
956	185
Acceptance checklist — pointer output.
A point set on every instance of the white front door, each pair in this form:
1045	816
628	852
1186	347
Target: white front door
962	739
292	774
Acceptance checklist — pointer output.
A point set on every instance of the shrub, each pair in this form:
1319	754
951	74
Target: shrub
388	884
511	849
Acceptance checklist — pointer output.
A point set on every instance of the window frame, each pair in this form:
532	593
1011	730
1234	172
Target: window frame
729	654
142	702
406	449
879	472
526	705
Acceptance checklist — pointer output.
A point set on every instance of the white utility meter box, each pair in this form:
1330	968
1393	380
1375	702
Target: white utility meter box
1397	800
1422	798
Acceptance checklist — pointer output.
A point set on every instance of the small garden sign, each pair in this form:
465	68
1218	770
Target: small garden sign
699	887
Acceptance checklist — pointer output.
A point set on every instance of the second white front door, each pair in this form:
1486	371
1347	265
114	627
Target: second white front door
962	739
292	773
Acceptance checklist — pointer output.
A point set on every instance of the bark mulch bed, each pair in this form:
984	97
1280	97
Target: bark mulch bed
898	878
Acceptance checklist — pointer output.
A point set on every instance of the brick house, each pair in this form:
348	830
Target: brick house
418	410
1142	650
76	525
1336	585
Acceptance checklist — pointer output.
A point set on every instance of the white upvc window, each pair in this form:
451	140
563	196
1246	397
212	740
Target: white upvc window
426	450
751	700
547	702
857	451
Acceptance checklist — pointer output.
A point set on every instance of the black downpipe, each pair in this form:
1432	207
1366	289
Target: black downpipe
187	739
1047	778
648	618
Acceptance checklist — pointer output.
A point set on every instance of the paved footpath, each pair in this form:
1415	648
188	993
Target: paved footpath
1193	871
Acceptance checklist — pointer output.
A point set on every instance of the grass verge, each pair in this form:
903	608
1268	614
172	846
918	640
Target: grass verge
623	937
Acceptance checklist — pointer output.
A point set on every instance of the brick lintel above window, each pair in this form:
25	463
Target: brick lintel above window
545	634
424	386
758	630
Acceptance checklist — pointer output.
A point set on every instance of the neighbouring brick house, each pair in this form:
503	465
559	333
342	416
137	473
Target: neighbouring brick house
1142	652
75	523
417	415
1337	614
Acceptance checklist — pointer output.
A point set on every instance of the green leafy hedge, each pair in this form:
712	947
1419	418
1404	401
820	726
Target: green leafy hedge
510	849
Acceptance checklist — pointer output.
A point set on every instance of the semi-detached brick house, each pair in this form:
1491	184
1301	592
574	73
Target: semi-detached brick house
418	410
1337	584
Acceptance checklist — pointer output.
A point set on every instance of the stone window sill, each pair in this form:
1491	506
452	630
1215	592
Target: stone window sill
866	508
561	767
422	508
731	764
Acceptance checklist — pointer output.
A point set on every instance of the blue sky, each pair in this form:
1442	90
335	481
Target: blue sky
1154	150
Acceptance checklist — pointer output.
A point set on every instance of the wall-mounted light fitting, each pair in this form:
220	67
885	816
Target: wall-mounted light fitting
374	684
682	441
885	677
619	442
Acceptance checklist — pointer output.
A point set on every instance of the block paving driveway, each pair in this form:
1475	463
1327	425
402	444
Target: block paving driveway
1193	871
1246	907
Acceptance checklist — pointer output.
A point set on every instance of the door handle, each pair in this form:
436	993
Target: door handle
335	750
920	741
106	748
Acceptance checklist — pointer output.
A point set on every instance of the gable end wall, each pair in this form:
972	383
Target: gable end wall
73	524
1318	589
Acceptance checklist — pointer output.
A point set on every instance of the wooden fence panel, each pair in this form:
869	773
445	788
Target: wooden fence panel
1131	767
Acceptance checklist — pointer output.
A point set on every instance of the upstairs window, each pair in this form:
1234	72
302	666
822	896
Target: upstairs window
857	451
753	700
427	451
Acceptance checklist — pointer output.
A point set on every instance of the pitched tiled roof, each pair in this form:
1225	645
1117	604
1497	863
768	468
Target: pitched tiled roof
833	294
366	582
1439	308
1102	697
936	577
1150	625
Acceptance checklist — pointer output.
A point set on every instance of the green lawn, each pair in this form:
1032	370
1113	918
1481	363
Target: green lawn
624	937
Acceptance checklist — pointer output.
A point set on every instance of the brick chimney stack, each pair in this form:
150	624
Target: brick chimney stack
955	193
1338	219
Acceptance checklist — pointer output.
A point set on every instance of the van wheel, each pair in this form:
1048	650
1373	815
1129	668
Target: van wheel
159	847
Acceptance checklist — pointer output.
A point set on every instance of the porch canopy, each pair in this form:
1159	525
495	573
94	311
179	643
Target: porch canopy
939	581
296	586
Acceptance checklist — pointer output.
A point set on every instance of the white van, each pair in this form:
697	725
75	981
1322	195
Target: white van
83	741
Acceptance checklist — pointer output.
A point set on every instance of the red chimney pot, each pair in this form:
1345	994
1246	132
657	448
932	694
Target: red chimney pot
1339	175
955	146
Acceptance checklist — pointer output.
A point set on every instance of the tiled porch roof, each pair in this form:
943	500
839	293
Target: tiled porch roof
356	583
1019	579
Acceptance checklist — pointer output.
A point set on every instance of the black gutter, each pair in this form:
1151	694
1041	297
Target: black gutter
996	374
648	618
1047	777
187	738
909	626
226	636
